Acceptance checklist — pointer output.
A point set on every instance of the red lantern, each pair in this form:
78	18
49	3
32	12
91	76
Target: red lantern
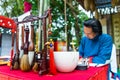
6	22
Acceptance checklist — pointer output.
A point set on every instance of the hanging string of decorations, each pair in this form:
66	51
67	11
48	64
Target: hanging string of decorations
106	6
101	7
50	24
107	10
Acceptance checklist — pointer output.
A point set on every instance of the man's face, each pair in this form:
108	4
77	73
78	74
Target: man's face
89	33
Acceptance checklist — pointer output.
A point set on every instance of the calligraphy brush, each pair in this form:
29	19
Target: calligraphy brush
31	46
12	51
24	65
35	67
16	56
22	43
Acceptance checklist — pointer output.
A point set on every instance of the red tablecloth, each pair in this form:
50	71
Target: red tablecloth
92	73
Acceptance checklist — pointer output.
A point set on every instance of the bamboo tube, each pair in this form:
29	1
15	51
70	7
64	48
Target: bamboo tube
87	5
92	5
35	68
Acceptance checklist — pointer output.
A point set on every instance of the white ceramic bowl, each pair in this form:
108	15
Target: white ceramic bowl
66	61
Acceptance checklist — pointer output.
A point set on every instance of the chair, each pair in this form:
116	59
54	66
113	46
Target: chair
113	59
113	64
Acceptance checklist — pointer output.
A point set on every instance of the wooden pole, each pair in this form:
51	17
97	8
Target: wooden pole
65	22
0	42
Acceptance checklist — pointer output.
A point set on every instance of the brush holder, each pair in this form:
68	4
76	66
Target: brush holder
66	61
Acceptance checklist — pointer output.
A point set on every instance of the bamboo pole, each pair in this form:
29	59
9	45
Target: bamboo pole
65	22
44	5
40	22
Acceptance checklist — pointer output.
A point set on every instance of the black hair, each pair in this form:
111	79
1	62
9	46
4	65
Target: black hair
94	24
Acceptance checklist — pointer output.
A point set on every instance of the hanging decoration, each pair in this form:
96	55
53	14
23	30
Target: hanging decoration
9	23
50	23
52	65
27	6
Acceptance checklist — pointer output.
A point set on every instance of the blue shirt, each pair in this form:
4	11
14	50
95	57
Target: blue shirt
99	48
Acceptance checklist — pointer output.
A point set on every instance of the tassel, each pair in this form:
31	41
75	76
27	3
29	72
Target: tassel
52	63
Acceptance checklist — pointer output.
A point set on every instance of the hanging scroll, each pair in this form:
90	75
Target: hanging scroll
116	29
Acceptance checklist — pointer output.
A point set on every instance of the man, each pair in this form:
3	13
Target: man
95	45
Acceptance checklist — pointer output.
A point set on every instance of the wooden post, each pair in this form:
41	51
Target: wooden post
0	42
